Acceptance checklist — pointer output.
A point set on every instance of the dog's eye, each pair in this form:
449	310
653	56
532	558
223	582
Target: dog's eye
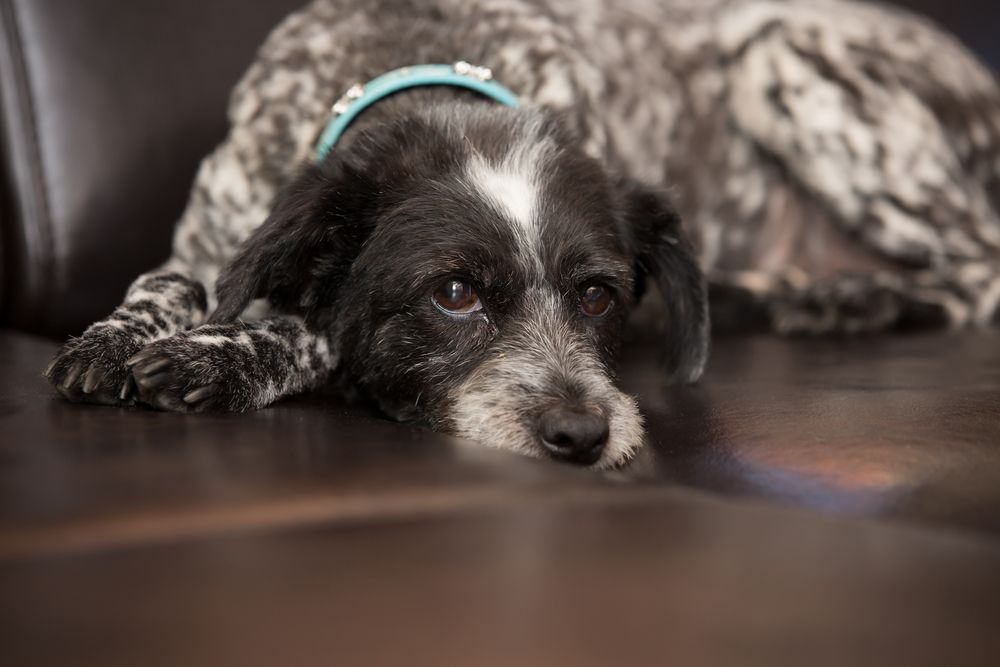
456	297
595	300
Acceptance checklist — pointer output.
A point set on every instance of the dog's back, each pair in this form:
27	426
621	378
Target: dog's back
837	161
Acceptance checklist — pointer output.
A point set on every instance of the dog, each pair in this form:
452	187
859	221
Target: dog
471	266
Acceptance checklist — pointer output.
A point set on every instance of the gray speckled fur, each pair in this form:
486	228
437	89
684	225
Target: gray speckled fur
838	161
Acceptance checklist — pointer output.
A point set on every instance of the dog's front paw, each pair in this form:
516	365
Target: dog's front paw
92	369
194	372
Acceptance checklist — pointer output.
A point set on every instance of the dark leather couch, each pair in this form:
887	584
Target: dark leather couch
108	108
810	502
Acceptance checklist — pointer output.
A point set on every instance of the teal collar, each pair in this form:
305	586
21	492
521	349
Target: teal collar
359	97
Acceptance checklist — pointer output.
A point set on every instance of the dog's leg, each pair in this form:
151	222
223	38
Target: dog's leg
232	367
230	197
870	303
175	297
92	368
273	127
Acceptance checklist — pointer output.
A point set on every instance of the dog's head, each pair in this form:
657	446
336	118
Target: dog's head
475	270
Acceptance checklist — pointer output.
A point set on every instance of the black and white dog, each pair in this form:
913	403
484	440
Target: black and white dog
471	266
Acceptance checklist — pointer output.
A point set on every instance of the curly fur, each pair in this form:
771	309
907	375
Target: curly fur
837	165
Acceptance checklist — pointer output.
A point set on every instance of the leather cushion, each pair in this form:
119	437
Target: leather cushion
108	108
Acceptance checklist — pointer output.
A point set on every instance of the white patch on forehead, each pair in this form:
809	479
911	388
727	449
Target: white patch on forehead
511	186
511	192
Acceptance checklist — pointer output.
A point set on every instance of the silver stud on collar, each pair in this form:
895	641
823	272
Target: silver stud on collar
476	71
353	93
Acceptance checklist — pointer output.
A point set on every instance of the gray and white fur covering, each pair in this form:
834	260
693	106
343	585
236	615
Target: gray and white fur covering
836	166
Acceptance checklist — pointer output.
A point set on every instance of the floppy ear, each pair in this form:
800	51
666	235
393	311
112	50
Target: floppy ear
664	253
299	255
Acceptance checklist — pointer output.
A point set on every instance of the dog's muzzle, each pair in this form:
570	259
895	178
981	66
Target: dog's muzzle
544	392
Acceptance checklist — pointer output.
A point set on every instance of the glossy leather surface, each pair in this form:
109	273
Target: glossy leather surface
108	107
904	427
312	529
901	427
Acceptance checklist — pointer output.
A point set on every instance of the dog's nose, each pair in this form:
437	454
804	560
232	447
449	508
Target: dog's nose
573	434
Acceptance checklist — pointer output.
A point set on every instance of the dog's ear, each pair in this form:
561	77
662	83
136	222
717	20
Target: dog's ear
298	257
663	252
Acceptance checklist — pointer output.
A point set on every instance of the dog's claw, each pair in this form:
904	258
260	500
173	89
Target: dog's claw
137	359
150	382
93	378
52	364
148	371
127	388
201	393
72	376
151	368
